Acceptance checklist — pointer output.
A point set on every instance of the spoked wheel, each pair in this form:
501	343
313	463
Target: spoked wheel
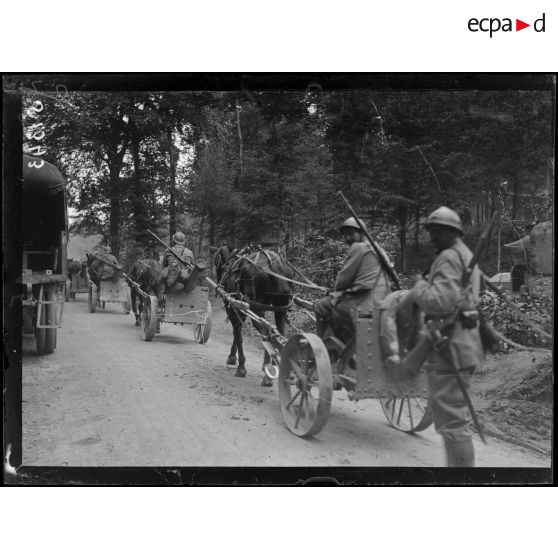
149	318
305	384
202	329
46	337
408	414
92	302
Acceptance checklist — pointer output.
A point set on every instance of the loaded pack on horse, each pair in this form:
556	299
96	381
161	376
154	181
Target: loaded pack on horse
258	278
97	269
77	278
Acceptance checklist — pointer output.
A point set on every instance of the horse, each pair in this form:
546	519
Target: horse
97	270
146	273
74	267
94	269
243	274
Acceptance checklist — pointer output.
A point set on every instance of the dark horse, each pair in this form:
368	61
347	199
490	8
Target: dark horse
243	274
147	274
96	269
74	268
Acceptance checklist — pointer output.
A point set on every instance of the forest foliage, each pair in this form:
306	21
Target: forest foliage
265	166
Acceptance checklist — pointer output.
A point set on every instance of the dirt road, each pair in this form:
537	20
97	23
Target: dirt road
107	398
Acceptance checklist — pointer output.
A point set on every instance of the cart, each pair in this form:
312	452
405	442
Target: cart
181	308
45	238
77	284
308	369
117	292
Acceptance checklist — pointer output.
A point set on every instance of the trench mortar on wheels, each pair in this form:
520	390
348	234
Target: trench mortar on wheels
309	368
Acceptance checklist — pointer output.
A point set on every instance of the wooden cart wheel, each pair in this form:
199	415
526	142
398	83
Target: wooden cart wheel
92	298
408	414
46	337
305	384
202	329
149	318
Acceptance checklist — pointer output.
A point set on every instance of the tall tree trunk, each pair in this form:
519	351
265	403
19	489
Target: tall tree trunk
115	214
201	234
138	201
115	159
172	188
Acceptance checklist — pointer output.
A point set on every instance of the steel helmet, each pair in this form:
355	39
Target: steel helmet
446	217
352	223
179	238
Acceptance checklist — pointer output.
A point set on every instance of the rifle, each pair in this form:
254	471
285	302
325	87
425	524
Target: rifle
382	259
468	271
187	264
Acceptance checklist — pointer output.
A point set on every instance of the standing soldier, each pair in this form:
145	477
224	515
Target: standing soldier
361	282
450	306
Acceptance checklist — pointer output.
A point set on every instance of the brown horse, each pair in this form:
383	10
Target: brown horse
147	274
244	275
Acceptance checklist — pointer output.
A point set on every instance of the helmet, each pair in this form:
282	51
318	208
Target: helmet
179	238
352	223
446	217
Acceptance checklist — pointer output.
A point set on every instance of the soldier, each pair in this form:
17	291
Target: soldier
108	271
175	273
451	307
361	282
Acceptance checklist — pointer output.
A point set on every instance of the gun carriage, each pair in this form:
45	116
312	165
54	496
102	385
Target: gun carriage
309	368
115	292
190	307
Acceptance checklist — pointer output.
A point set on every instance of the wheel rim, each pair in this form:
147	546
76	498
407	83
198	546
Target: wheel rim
149	319
202	329
305	384
46	337
408	414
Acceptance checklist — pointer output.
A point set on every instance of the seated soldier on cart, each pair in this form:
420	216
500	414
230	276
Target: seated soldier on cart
361	282
178	276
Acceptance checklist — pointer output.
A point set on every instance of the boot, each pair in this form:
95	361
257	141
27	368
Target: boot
460	454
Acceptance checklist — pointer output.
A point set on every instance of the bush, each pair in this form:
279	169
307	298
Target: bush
320	258
538	310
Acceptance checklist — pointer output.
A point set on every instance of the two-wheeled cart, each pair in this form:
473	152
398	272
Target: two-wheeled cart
181	308
308	369
109	291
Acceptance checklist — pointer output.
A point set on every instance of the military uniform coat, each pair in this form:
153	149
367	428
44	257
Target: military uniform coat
362	280
441	295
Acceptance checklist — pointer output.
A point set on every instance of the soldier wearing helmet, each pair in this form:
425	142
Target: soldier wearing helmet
361	282
111	271
447	303
175	273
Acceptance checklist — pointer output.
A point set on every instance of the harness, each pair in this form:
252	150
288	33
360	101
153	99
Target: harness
234	267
